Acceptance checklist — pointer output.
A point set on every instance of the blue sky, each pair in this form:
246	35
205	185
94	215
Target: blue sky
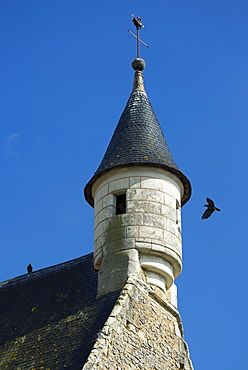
65	77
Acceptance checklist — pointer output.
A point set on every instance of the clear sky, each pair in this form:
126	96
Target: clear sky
65	77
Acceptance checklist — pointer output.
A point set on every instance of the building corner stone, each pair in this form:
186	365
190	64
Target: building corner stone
143	331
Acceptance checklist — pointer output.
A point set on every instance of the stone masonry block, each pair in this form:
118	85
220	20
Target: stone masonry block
178	195
109	200
171	226
154	220
151	183
168	188
155	196
116	233
150	232
105	213
121	184
101	240
97	247
138	206
116	268
177	244
168	237
144	244
97	258
169	212
97	207
134	182
170	201
157	248
156	208
132	219
136	194
101	192
98	231
112	222
132	231
158	184
118	245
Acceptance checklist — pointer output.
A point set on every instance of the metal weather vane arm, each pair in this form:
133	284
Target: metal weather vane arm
142	42
138	24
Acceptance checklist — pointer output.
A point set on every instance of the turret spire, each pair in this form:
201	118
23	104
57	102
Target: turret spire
137	192
138	138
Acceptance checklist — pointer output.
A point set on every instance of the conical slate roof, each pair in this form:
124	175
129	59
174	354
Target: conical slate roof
138	140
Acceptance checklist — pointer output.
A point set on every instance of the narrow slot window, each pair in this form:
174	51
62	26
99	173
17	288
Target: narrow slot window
178	217
120	204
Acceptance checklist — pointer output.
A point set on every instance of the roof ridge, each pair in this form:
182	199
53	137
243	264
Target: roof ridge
44	271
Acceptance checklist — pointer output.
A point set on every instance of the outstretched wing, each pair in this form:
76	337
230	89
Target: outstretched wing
210	202
207	213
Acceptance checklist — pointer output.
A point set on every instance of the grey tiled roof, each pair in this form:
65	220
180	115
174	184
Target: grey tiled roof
49	318
138	137
138	140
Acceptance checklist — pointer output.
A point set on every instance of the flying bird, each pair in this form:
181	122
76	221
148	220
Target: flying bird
30	268
210	209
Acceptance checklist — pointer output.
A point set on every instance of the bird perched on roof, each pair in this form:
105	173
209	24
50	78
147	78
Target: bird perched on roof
210	209
30	268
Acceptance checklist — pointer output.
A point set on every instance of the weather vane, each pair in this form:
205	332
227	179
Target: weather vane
138	24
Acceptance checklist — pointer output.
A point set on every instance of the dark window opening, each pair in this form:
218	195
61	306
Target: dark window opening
120	204
177	212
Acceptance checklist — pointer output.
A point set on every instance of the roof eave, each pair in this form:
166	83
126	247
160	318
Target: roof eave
184	180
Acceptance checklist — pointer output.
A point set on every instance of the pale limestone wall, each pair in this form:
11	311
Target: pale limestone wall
142	332
148	235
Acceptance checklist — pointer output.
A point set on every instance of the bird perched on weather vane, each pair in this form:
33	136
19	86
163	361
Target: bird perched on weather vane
210	209
138	24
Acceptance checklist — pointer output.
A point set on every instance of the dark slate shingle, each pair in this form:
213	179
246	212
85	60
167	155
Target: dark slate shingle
138	137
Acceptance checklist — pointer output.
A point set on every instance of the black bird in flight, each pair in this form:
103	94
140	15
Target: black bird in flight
30	268
210	209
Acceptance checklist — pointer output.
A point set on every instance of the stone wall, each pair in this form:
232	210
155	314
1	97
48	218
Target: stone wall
148	235
142	332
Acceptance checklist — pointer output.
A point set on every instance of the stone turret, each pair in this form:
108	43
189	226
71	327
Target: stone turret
137	193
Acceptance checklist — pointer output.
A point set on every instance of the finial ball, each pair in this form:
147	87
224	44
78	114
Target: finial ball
138	64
